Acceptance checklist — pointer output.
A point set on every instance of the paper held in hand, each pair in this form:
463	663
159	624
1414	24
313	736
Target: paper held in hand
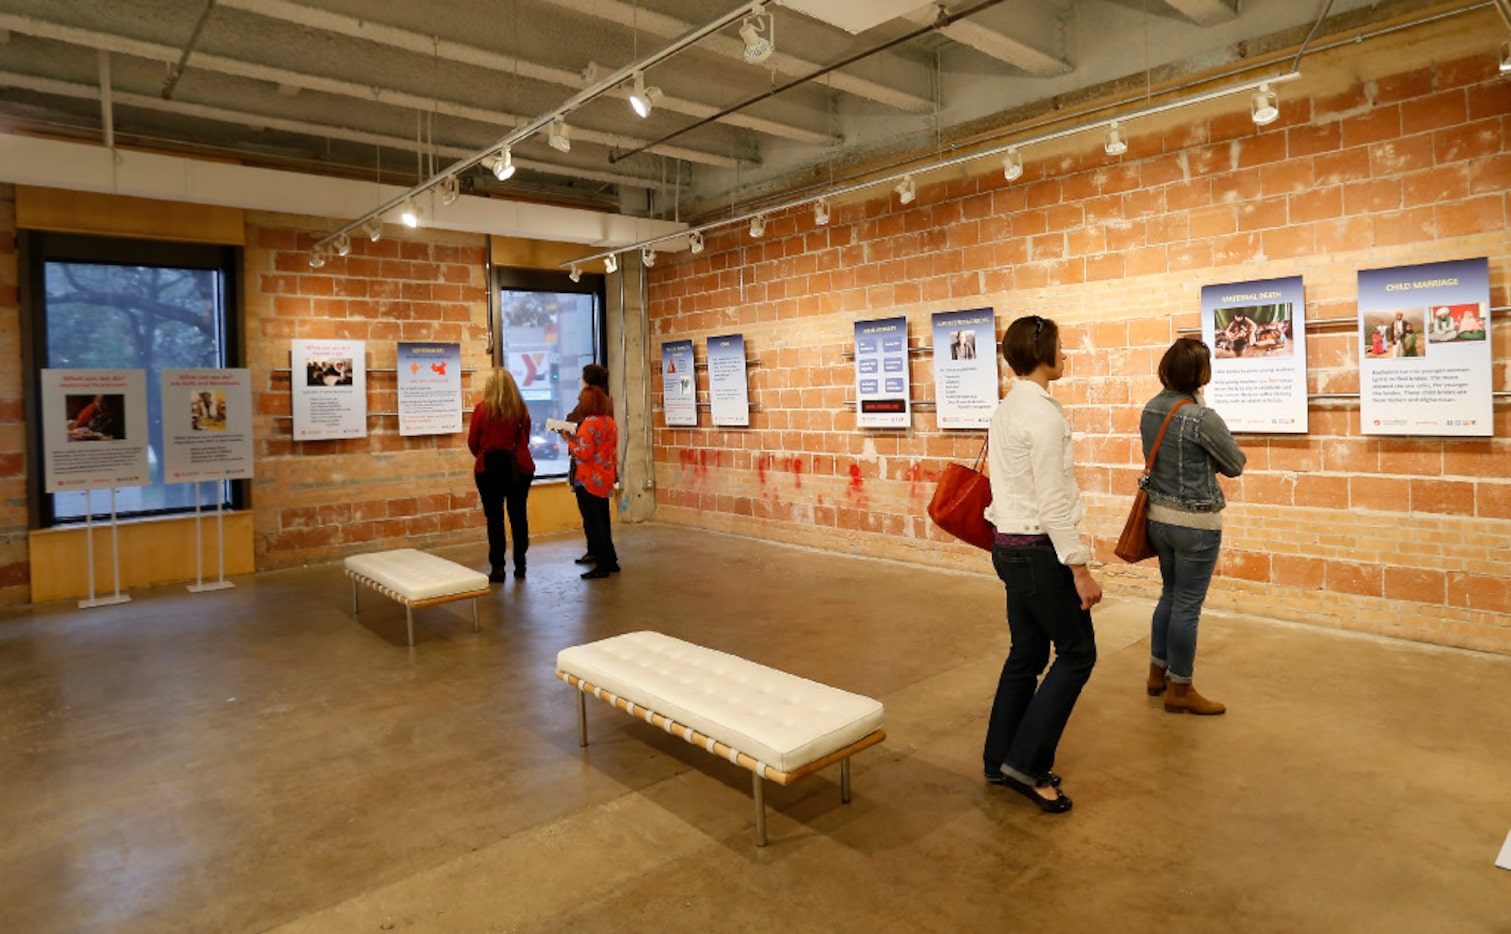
557	424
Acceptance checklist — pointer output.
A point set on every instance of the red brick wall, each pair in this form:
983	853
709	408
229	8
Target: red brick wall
1397	536
15	576
315	500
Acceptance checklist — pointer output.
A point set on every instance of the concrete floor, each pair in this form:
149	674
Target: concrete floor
255	759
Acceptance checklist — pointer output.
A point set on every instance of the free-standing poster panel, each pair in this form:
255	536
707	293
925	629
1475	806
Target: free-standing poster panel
329	388
965	368
728	389
679	385
1424	355
1257	332
207	425
430	388
881	373
94	429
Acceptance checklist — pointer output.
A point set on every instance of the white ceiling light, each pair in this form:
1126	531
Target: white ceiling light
374	229
1115	144
317	259
410	214
576	274
1012	165
343	244
503	165
643	99
610	263
906	190
648	257
695	242
821	211
1265	107
451	189
758	225
758	48
560	138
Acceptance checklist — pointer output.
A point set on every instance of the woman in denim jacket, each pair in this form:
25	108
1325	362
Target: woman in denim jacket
1185	517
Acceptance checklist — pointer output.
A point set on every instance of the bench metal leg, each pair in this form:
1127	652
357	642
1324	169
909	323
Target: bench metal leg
409	621
844	779
354	596
760	806
582	719
474	614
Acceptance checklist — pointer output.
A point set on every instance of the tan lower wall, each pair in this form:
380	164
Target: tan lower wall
152	551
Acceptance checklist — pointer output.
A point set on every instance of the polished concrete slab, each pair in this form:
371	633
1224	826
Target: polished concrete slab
256	759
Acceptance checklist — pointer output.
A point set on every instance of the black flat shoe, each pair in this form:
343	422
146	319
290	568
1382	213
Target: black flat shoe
996	778
497	576
585	559
1059	804
595	574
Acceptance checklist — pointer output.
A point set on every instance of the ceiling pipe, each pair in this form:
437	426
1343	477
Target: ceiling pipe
177	71
107	105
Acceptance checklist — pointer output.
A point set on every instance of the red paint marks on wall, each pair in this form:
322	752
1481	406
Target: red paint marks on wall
855	482
761	463
797	472
694	462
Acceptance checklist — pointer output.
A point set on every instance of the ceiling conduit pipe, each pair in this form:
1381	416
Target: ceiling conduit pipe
177	71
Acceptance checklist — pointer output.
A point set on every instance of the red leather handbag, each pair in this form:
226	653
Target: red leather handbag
959	501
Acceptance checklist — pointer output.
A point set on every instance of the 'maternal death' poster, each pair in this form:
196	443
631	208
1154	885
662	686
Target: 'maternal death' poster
1257	332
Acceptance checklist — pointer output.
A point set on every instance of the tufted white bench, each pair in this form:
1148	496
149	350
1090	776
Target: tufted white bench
777	725
415	579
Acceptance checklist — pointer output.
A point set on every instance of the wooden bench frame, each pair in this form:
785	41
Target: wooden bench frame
758	769
411	605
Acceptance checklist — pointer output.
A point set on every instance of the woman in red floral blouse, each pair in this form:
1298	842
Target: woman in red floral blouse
595	458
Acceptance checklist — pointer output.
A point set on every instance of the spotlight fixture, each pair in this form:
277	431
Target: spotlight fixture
317	258
1265	107
1115	144
1012	165
374	229
611	264
343	244
560	138
451	189
758	47
410	214
906	190
503	164
648	257
821	211
695	242
642	98
1506	58
576	274
758	225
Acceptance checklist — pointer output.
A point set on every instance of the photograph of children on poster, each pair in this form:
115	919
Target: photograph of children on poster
728	390
94	429
1424	350
881	373
1257	333
328	384
207	425
679	385
430	388
965	368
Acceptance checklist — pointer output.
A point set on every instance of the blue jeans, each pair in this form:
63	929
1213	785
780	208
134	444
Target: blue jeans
1043	608
1187	558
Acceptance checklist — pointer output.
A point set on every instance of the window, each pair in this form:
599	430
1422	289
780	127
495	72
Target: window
105	303
549	328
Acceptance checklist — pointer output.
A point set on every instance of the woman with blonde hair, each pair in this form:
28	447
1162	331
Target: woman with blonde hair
499	439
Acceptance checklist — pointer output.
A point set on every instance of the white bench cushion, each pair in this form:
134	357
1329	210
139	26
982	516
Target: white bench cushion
417	575
781	719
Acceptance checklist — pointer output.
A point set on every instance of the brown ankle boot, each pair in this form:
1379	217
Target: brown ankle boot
1182	698
1156	684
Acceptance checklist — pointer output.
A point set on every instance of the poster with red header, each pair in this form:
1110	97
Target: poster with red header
94	429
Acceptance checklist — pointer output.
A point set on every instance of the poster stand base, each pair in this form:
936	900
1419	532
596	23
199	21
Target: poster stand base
213	585
105	601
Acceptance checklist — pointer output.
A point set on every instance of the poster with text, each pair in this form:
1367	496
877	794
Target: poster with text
94	429
329	388
1257	333
728	389
207	425
881	373
1424	353
430	388
965	368
679	385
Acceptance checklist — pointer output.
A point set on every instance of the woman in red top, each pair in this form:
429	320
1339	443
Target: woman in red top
595	461
499	439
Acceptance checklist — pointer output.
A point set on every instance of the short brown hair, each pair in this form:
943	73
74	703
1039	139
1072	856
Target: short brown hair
1029	342
1186	366
596	374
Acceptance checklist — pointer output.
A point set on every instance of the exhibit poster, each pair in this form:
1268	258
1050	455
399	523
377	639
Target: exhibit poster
679	385
207	425
881	373
328	383
430	388
531	368
1257	333
728	389
1424	350
965	368
94	429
